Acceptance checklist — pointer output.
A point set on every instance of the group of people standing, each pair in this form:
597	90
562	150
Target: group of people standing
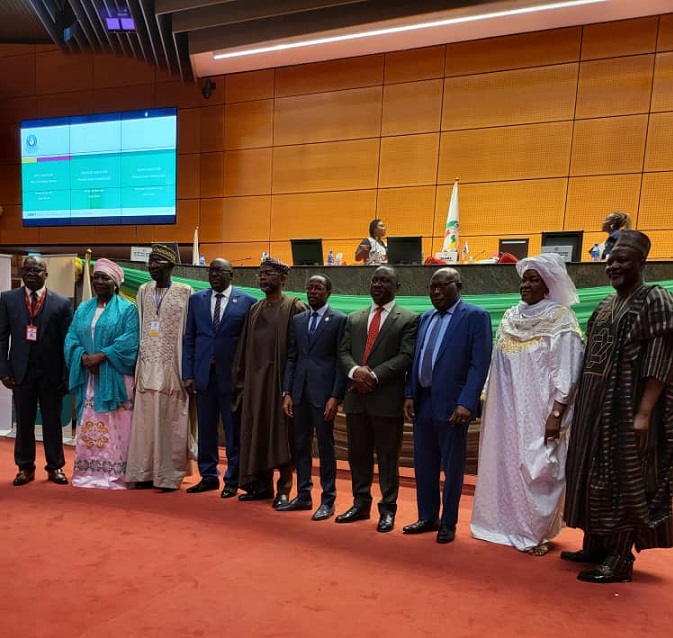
591	418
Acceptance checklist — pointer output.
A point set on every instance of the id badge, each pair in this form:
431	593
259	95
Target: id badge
31	333
154	328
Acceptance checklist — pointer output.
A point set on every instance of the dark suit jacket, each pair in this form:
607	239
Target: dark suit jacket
52	321
201	344
390	359
462	362
312	372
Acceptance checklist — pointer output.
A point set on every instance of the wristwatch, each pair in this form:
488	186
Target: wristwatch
556	414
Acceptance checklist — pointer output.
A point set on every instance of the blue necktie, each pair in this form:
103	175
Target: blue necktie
425	373
314	324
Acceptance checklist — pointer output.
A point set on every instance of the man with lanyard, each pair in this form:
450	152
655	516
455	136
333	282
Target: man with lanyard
160	433
37	321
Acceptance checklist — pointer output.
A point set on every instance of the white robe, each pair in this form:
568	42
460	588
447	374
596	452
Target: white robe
537	360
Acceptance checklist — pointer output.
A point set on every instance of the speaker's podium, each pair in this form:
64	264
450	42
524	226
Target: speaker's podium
307	252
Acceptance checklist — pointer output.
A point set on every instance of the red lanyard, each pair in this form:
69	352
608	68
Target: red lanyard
32	313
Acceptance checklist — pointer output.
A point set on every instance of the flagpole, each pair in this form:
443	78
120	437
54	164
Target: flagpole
86	281
195	248
451	243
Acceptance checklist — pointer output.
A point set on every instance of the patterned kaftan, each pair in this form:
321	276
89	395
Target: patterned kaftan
536	360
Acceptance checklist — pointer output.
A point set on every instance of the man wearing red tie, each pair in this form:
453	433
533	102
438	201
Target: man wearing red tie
376	352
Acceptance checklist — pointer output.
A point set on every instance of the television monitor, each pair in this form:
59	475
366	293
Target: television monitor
516	247
108	168
405	250
567	243
307	252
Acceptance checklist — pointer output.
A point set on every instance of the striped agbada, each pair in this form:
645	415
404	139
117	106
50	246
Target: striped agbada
617	495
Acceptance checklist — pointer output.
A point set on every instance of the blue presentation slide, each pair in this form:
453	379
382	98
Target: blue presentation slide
113	168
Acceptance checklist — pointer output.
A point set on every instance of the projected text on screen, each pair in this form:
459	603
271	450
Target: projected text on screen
113	168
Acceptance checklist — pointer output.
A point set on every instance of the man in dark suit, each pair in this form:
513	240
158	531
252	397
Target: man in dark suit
32	366
215	320
313	386
376	353
453	353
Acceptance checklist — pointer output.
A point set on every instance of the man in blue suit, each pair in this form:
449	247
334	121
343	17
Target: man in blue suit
451	361
313	386
215	320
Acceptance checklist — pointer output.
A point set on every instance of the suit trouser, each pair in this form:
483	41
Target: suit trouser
368	434
308	418
210	405
620	543
35	387
437	446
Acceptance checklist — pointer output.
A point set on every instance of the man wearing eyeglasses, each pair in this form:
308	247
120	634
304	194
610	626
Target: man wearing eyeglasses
453	353
32	366
215	322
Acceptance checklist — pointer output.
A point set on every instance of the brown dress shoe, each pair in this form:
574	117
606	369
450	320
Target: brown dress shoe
57	476
23	477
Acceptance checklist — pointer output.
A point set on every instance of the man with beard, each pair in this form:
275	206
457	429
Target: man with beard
620	456
214	324
267	439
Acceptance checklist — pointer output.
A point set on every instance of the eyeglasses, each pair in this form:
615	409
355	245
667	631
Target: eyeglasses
441	285
218	270
158	262
35	270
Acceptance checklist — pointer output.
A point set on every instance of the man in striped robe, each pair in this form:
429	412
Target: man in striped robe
620	457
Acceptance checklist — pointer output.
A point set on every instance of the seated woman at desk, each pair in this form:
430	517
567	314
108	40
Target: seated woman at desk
372	250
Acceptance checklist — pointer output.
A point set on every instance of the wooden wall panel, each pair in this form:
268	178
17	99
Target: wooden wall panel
659	155
505	208
329	215
189	131
325	167
656	201
177	94
11	226
10	184
64	104
212	175
600	95
662	90
324	117
212	129
407	211
408	160
591	199
14	110
412	107
665	39
510	97
609	145
10	50
9	144
333	75
58	73
119	71
507	153
189	178
17	76
113	235
414	65
248	124
238	253
187	220
625	37
235	219
513	52
662	245
66	235
123	98
251	86
247	172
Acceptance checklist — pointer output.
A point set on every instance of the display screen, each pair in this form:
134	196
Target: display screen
110	168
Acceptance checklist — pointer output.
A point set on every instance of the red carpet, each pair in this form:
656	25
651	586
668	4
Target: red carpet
97	564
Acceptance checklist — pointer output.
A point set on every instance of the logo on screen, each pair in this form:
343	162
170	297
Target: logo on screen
31	143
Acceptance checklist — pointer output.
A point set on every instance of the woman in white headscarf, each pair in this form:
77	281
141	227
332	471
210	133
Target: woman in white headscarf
524	429
100	351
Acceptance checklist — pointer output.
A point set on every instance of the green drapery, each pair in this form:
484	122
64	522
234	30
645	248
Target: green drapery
495	304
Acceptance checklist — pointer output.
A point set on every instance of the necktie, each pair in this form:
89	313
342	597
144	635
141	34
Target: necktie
217	311
425	374
33	302
373	331
313	325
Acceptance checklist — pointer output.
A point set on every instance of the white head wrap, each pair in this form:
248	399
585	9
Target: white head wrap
552	269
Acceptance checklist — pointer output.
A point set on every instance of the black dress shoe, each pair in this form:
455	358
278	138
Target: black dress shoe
295	504
57	476
386	522
421	527
281	500
613	569
167	490
323	512
205	485
255	496
446	534
583	556
23	477
355	513
144	485
229	491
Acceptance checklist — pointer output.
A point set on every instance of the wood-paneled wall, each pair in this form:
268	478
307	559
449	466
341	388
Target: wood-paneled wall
547	131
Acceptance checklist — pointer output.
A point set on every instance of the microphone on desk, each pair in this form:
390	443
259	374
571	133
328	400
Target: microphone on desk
241	260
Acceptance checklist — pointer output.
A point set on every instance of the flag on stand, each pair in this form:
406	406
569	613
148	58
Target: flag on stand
195	248
451	234
465	252
86	277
